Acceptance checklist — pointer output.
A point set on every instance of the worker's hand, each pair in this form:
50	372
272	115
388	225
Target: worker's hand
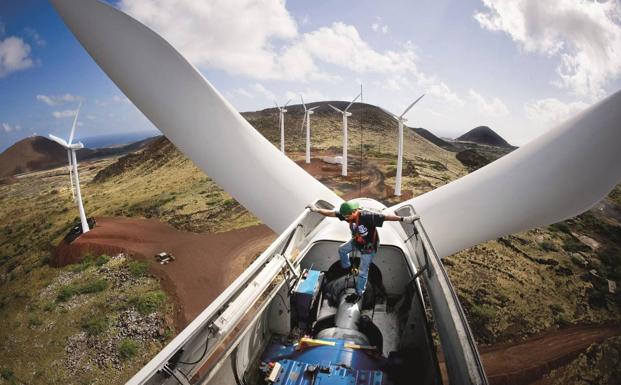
312	208
411	218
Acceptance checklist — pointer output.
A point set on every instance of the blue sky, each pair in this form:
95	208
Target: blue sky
520	67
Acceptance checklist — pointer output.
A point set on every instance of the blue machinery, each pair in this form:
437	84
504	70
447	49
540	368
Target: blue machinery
204	351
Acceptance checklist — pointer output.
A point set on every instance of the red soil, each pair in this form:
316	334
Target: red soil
205	264
526	362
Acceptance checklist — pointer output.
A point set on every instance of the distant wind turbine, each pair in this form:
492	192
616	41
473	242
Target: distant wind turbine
281	120
345	115
73	164
307	113
401	119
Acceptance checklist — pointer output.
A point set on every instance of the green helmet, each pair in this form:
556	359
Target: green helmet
348	207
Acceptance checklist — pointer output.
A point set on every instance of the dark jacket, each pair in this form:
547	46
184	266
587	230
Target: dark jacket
364	229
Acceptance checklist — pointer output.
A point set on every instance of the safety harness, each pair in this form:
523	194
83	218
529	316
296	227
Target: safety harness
359	239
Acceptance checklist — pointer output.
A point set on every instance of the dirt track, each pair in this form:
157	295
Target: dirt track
528	361
205	263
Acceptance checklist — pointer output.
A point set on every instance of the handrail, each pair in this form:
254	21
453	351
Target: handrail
463	362
194	335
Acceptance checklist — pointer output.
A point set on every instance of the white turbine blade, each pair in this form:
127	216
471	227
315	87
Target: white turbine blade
192	114
301	97
288	101
562	173
352	102
314	108
59	140
71	174
411	105
276	104
336	109
75	120
389	113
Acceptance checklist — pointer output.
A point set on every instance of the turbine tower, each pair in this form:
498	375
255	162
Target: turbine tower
345	115
401	119
281	120
73	164
307	113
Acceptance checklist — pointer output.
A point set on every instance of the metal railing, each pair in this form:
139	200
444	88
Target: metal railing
462	358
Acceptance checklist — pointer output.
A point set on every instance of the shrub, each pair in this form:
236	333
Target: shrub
96	325
548	246
561	227
128	348
148	302
574	246
7	374
138	268
93	286
66	293
102	260
34	321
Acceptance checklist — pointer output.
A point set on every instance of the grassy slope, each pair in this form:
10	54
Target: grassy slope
505	291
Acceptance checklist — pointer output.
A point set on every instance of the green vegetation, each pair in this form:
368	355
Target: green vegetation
548	246
128	348
149	302
138	268
574	246
96	325
88	287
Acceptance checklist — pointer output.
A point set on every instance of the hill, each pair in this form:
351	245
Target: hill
38	153
484	135
31	154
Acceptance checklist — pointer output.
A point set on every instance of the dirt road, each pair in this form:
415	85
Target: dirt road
205	264
526	362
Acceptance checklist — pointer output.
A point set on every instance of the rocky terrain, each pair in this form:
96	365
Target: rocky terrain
511	288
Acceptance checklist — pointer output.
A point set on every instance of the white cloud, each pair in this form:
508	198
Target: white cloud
55	100
493	107
310	95
259	89
584	35
119	99
64	114
551	111
9	128
376	27
231	35
14	55
35	37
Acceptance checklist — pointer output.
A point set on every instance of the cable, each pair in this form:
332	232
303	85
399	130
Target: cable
284	302
202	355
238	381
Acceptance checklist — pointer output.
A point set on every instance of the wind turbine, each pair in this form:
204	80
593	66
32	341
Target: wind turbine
536	185
73	164
307	113
401	119
281	120
345	115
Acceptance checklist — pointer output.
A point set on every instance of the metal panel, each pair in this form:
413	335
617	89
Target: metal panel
460	351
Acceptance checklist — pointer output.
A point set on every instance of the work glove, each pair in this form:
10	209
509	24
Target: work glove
411	218
312	208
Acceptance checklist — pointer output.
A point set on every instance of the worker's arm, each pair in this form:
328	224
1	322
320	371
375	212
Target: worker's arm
324	212
409	219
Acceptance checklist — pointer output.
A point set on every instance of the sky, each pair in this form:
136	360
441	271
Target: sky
520	67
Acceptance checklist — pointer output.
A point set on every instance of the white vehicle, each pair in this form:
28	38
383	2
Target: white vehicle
283	320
